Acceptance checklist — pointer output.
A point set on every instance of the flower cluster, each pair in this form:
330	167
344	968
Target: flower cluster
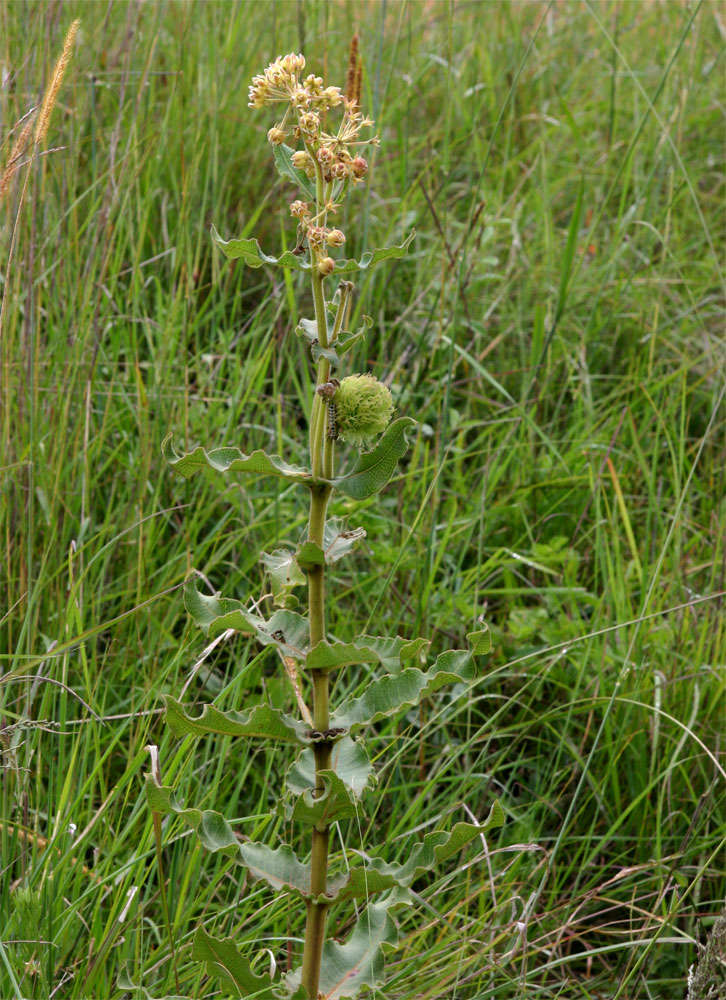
282	82
330	157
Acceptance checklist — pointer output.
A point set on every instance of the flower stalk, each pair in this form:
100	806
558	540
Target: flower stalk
357	409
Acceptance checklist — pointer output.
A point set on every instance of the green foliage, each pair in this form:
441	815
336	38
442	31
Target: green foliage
531	341
250	253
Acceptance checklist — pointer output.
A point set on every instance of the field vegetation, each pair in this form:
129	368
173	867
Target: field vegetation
557	330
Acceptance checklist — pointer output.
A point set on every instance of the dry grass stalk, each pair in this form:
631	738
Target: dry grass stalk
37	125
51	92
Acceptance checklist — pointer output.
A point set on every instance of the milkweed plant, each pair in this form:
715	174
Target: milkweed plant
318	144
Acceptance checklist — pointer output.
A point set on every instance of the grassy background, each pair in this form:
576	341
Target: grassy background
557	330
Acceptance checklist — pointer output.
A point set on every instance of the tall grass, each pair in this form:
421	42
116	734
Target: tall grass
558	332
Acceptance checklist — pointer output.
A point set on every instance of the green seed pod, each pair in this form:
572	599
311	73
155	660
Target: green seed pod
363	409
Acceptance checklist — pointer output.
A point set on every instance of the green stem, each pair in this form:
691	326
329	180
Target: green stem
322	466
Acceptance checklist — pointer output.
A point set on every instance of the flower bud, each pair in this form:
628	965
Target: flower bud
300	159
325	156
316	236
276	136
363	409
335	238
300	210
360	167
326	266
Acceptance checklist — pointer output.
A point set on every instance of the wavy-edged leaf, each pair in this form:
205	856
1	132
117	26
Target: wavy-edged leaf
331	655
480	641
232	460
339	541
285	573
387	695
261	722
250	252
230	968
336	803
347	968
211	827
213	614
280	867
285	167
395	652
371	875
373	469
348	759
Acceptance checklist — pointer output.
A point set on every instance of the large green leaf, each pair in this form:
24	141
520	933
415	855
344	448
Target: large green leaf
261	722
285	573
348	968
336	803
211	827
367	876
233	971
284	629
283	162
232	460
250	252
394	652
331	655
373	469
387	695
280	868
348	759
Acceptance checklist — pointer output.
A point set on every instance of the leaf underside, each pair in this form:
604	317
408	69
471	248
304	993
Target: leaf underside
373	469
347	968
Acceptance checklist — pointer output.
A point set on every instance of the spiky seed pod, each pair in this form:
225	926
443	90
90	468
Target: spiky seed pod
363	409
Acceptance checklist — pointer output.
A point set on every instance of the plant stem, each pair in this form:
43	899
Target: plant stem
322	465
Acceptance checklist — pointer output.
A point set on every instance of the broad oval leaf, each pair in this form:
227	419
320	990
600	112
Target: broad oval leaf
336	803
373	469
232	460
